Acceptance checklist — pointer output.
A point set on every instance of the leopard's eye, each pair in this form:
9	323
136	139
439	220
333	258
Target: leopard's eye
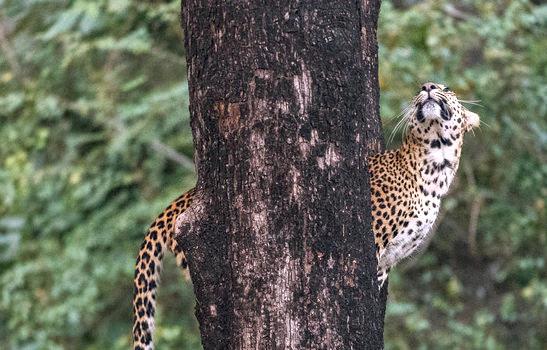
446	89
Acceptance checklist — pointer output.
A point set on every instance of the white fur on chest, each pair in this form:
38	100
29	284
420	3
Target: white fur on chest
415	236
438	173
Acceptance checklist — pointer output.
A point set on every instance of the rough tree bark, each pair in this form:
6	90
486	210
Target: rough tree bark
284	110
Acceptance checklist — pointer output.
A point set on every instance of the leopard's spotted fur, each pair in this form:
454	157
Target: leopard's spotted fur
407	185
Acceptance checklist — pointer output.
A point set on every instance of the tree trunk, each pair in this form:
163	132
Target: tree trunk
284	110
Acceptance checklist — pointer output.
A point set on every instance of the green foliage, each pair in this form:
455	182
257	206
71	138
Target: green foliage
93	105
92	94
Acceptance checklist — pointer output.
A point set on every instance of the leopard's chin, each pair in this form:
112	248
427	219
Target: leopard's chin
431	109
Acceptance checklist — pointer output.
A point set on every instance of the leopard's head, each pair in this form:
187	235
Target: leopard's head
437	112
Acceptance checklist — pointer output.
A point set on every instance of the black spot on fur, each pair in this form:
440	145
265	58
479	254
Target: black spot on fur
152	285
158	249
446	142
445	111
420	116
435	144
150	310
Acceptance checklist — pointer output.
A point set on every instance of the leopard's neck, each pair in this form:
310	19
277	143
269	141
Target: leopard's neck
435	161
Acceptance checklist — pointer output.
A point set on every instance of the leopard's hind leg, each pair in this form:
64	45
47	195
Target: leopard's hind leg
382	275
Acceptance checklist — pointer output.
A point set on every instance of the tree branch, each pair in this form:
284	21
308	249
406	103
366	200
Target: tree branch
172	154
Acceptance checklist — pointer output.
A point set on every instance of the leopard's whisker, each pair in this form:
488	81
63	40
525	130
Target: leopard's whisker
398	126
405	131
471	102
407	117
392	119
401	120
485	123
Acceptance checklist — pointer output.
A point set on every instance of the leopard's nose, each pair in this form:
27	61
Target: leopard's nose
427	87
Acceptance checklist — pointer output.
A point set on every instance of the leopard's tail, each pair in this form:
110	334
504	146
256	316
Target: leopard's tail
148	268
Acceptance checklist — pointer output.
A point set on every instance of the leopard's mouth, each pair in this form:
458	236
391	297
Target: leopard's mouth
429	100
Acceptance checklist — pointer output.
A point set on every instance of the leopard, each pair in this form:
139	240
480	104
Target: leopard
406	188
408	183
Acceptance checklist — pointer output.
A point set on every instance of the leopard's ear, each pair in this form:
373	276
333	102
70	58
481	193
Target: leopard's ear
472	120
